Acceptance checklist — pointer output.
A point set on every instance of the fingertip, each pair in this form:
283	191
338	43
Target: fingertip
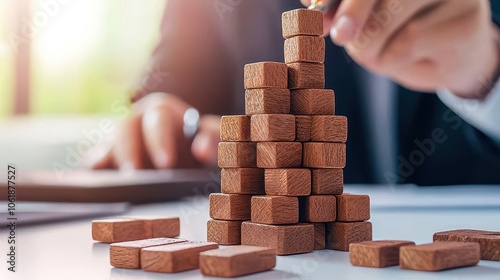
343	30
204	148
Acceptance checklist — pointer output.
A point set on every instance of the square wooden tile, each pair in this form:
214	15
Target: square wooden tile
242	180
305	75
319	236
279	154
489	241
353	208
302	22
312	102
327	181
288	181
305	49
237	154
275	210
266	75
380	253
302	128
329	129
318	208
234	128
272	127
229	207
267	101
340	234
324	155
224	232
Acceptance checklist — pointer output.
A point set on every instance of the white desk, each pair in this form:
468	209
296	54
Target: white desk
66	250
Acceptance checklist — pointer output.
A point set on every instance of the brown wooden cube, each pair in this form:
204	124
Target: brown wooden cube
327	181
324	155
279	154
302	128
224	232
242	180
318	208
302	22
489	241
231	207
380	253
353	208
272	127
305	49
329	129
235	128
340	234
267	101
266	75
158	226
319	236
237	154
286	239
289	181
312	102
119	230
305	75
275	210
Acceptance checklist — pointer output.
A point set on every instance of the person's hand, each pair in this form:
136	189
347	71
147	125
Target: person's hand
424	45
153	137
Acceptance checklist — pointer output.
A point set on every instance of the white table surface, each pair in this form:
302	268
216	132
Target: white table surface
65	250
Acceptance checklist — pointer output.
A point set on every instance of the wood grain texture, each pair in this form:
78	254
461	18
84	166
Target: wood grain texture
237	154
275	210
340	234
489	241
319	236
237	261
234	128
318	208
158	226
288	181
279	154
329	129
380	253
305	49
272	127
302	128
231	207
127	254
175	257
286	239
324	155
305	75
312	102
439	256
327	181
266	75
302	22
224	232
242	180
118	230
353	208
267	101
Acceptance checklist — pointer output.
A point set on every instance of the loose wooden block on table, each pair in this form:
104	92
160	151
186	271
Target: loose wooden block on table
279	154
237	154
118	230
327	181
340	234
329	129
305	49
286	239
242	180
439	256
275	210
305	75
231	207
267	101
319	236
324	155
302	128
289	181
312	102
157	226
302	22
489	241
272	127
175	257
235	128
380	253
224	232
353	208
266	75
237	261
318	208
127	254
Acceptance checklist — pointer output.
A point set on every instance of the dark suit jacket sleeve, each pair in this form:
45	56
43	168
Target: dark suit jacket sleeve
495	11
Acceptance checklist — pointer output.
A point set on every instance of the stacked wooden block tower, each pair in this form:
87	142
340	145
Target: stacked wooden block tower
282	163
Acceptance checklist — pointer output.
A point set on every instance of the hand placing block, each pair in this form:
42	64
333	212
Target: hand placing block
224	232
273	127
237	261
489	241
303	75
242	180
439	256
318	208
267	101
118	230
302	128
302	22
329	129
237	154
275	210
234	128
319	236
340	234
353	208
279	154
266	75
160	226
231	207
327	181
324	155
380	253
305	49
312	102
288	182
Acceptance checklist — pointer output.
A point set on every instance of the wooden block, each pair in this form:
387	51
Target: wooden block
340	234
127	254
275	210
279	154
235	128
118	230
272	127
175	257
286	239
353	208
237	261
489	241
380	253
237	154
289	181
242	180
157	226
329	129
224	232
265	75
305	49
267	101
439	256
324	155
302	128
319	236
231	207
304	75
327	181
302	22
312	102
318	208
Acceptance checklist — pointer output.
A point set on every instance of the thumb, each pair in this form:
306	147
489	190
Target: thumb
204	147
